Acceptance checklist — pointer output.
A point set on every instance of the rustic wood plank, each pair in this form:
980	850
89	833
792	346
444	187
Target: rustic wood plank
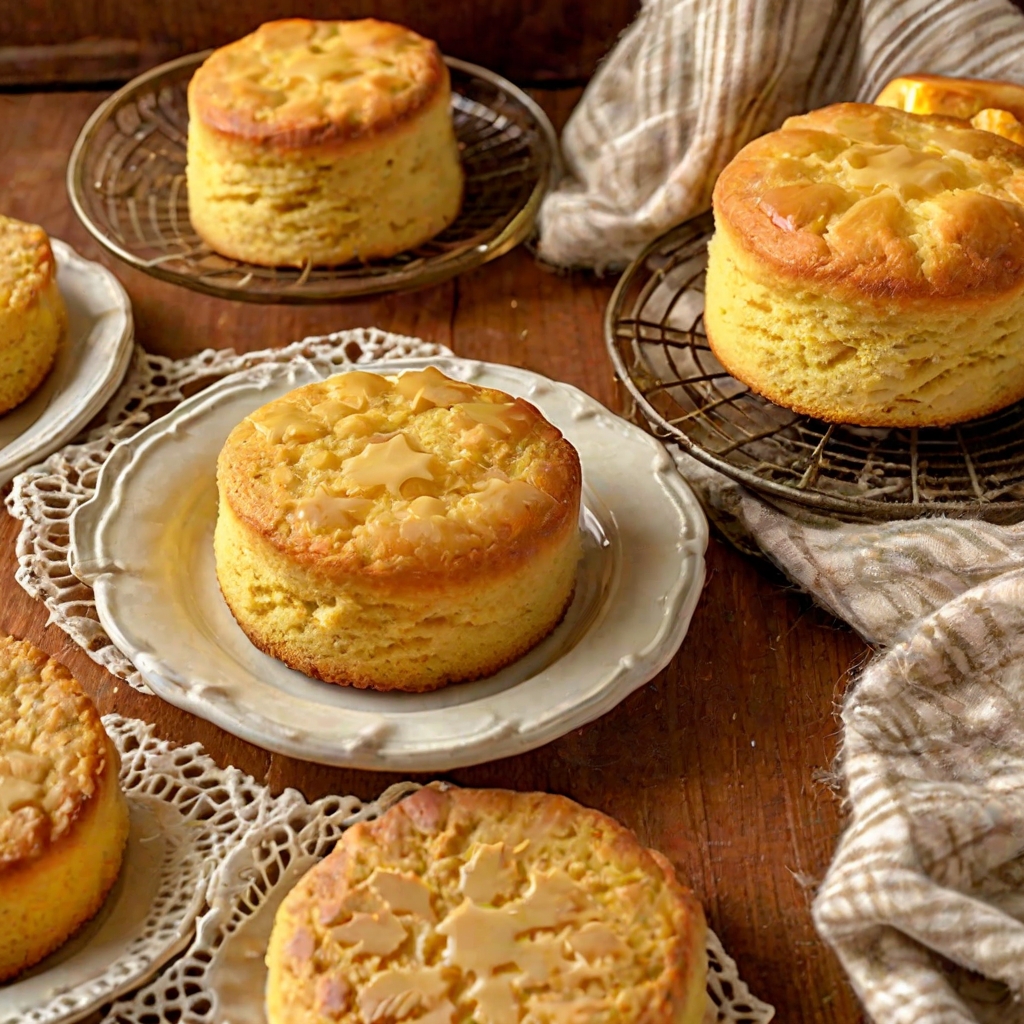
715	762
82	62
527	40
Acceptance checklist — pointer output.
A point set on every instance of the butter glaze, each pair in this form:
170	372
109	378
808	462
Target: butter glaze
565	920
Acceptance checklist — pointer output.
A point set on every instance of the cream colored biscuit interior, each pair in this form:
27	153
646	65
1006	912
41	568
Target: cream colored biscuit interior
507	921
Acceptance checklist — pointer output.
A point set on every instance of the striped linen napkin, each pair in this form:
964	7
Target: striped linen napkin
692	81
924	900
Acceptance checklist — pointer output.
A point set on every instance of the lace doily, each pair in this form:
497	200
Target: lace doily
46	496
271	840
215	980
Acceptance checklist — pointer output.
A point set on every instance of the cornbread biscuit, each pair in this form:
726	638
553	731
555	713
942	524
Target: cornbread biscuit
991	106
999	122
322	142
397	532
952	97
868	267
63	817
491	906
32	313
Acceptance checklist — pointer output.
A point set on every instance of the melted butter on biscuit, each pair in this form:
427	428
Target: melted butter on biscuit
389	464
18	793
429	388
416	466
403	893
282	422
377	934
328	512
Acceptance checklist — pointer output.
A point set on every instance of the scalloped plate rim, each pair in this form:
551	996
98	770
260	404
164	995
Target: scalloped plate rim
60	421
504	736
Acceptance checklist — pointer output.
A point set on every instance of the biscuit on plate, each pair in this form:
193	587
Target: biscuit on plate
397	532
322	142
488	905
63	817
867	267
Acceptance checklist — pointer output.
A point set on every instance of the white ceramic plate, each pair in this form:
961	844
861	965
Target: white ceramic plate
144	543
90	364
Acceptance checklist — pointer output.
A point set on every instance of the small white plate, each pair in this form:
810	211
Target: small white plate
92	360
144	543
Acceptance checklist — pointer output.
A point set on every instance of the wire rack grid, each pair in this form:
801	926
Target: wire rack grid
678	389
126	179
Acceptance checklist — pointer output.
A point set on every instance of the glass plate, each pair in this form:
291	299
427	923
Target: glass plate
126	179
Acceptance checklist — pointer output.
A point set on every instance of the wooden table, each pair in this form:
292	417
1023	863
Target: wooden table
721	762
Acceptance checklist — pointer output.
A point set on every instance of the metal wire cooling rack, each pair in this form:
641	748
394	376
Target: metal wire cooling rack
126	179
655	334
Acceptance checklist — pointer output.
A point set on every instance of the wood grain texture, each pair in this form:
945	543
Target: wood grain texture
717	762
526	40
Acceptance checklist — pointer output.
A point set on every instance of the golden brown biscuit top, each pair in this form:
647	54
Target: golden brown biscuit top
26	263
951	97
301	82
413	472
1000	122
884	202
53	751
493	905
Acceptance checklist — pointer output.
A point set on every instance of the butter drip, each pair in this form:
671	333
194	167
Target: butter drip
22	775
430	388
328	512
914	175
17	793
379	934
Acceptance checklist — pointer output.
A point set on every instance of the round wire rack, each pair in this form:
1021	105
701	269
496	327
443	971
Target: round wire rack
655	334
126	179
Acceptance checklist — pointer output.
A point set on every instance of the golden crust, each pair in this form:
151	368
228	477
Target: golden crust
501	479
461	900
951	97
44	901
876	202
27	267
53	752
297	83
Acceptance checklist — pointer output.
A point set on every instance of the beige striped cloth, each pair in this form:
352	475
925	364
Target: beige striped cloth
924	900
691	81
